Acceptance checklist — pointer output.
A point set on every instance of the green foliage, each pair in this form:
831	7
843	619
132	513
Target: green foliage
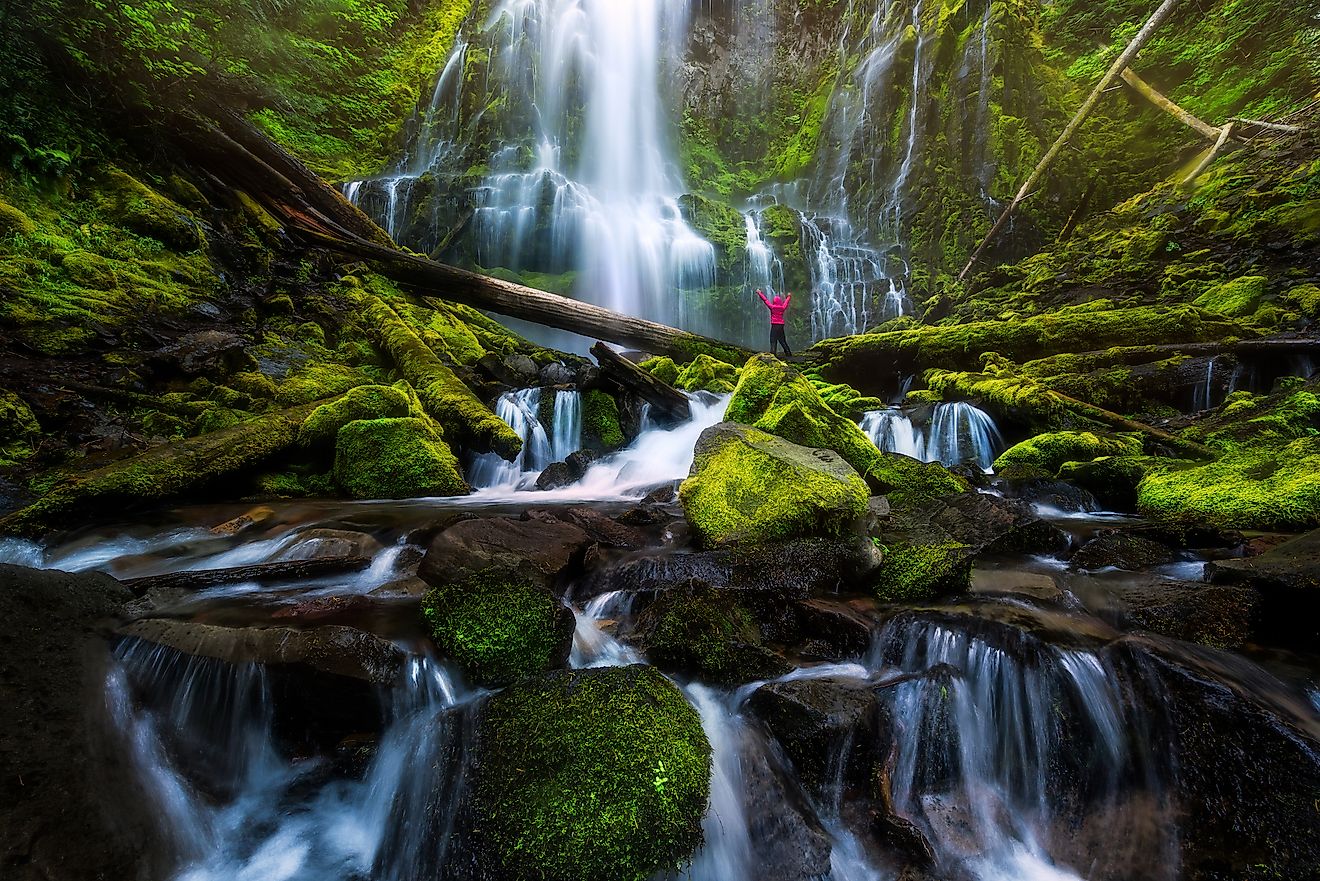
1239	297
19	429
395	459
498	627
600	421
591	775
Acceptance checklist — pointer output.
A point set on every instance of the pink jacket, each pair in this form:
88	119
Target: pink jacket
777	308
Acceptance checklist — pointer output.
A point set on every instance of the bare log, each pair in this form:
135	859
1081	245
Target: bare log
1154	96
1212	155
667	400
1269	126
1038	173
261	573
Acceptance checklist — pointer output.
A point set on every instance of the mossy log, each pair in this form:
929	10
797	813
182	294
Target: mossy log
262	573
161	473
451	403
667	400
1131	355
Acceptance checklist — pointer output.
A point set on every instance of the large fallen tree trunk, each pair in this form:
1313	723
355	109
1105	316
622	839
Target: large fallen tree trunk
1122	423
1038	173
237	153
1129	355
161	473
668	401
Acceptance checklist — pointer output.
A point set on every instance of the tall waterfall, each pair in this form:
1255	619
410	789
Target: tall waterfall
958	432
582	178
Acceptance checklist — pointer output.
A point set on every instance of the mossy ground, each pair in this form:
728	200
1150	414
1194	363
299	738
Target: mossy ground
593	775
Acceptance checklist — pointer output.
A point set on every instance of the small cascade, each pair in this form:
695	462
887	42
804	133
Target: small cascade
958	432
1203	398
1001	757
208	727
520	410
727	853
566	432
844	276
593	646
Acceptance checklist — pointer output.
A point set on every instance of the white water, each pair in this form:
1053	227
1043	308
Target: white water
593	645
260	828
658	457
566	432
958	432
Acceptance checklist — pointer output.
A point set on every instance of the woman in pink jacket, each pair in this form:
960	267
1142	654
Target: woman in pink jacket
778	306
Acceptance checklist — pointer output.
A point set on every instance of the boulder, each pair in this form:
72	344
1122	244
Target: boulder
538	549
588	775
71	805
1221	616
786	838
566	473
705	632
555	374
749	486
1288	580
600	528
1047	493
396	459
1045	454
210	353
1011	582
1122	550
499	627
321	544
832	630
364	402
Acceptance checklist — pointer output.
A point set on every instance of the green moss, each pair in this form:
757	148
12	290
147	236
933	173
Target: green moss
775	398
317	381
159	424
13	222
704	373
129	201
218	419
1239	297
89	270
364	402
1113	480
706	632
719	224
593	775
600	421
499	627
19	430
1049	452
920	572
662	368
1305	298
395	459
294	485
749	486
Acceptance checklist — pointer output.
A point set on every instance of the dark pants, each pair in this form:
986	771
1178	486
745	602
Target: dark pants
777	337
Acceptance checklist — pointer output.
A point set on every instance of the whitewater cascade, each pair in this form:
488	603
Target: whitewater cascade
958	432
542	444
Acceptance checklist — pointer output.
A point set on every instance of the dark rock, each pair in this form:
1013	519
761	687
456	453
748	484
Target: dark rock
643	515
71	806
1051	493
1122	550
972	473
506	371
601	528
787	841
1009	582
208	353
320	544
660	496
557	374
1215	615
992	525
831	729
556	475
835	629
541	549
1288	579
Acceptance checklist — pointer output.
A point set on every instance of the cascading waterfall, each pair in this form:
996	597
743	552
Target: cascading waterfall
999	757
566	433
520	410
958	432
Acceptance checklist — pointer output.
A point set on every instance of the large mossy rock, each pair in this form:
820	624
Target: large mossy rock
1044	454
395	459
708	633
365	402
775	398
499	627
749	486
591	775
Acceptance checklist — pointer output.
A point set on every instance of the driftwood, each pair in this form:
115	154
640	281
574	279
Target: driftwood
262	573
1154	96
238	154
1038	173
667	400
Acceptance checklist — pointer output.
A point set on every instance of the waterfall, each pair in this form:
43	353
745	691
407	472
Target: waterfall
727	853
958	432
520	410
997	758
567	428
592	645
266	816
1203	398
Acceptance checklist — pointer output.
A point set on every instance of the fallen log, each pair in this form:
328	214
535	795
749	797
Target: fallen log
1038	173
1129	355
1122	423
161	473
1154	96
466	420
261	573
1210	156
1268	126
668	401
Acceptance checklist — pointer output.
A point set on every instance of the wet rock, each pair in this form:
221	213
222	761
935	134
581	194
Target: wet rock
320	544
540	549
515	371
1008	582
705	632
206	353
557	374
1057	494
560	474
1288	579
322	610
70	802
338	651
244	522
602	529
1221	616
831	728
992	525
1122	550
787	841
832	630
660	496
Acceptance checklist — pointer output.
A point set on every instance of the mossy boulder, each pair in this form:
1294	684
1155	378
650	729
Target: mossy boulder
1305	299
395	459
915	572
706	632
13	222
662	368
1044	454
365	402
19	429
316	382
128	201
1238	298
601	429
499	627
706	374
1113	480
590	775
778	400
749	486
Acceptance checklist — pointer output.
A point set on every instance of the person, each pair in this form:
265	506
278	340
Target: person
778	306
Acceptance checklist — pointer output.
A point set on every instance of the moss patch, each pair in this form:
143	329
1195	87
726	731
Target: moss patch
1048	452
708	633
364	402
921	572
704	373
395	459
600	421
593	775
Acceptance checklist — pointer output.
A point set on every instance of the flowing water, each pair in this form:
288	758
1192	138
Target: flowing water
957	432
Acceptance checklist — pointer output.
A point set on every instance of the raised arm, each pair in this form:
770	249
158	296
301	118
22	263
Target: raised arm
763	299
788	299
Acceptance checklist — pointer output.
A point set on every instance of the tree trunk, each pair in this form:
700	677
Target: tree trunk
1151	94
1212	155
1147	354
1143	36
669	401
262	573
